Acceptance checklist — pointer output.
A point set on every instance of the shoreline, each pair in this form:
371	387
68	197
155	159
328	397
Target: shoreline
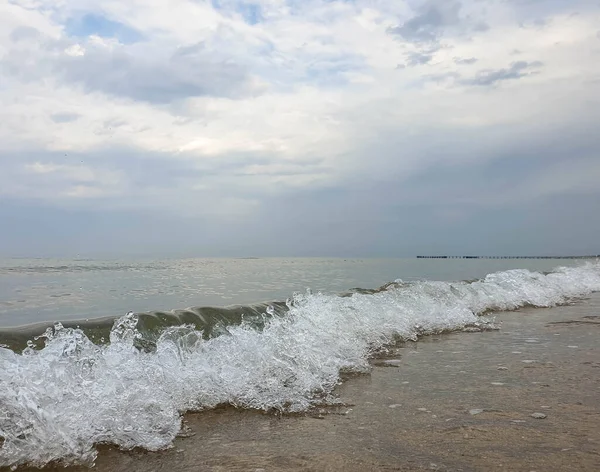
451	402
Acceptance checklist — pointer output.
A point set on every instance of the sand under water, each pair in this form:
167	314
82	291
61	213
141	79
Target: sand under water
525	397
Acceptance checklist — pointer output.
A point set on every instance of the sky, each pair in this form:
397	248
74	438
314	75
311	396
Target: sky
299	128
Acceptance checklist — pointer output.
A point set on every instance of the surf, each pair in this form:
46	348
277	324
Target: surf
60	400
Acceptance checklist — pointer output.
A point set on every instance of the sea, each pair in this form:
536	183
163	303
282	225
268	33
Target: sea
117	351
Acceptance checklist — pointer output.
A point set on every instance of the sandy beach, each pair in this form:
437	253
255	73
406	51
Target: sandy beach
523	398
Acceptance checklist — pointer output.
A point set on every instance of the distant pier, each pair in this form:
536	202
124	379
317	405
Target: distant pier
509	257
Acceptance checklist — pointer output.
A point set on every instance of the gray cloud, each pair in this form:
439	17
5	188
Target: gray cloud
397	229
371	219
131	72
465	61
517	70
433	20
493	182
535	24
135	71
146	178
22	33
429	23
451	77
64	117
480	26
419	58
479	190
534	13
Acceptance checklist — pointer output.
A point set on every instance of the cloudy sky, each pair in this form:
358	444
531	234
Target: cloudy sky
299	127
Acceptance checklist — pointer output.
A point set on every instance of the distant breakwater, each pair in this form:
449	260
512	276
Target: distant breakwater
509	257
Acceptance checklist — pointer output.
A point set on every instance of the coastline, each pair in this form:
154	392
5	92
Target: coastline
419	409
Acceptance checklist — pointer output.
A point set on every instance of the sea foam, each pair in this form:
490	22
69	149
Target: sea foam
58	403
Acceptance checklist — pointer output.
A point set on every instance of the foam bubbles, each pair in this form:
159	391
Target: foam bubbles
57	403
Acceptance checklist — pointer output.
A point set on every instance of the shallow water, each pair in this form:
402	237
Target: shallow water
59	402
415	413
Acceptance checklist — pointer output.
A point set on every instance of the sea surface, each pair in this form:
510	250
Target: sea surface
36	290
169	340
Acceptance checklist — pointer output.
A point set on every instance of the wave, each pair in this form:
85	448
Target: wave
210	320
58	402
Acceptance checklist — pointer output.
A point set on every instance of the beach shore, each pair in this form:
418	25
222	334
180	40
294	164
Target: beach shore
523	398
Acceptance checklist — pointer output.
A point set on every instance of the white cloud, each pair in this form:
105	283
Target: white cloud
75	50
311	80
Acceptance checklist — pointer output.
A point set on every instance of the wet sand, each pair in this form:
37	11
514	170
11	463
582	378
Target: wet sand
454	402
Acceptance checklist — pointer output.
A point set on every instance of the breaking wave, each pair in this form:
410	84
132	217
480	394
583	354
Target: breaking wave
58	402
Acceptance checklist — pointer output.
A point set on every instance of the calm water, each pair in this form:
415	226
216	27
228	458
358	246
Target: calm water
56	289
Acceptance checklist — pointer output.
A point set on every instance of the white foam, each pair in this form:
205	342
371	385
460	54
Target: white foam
57	403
